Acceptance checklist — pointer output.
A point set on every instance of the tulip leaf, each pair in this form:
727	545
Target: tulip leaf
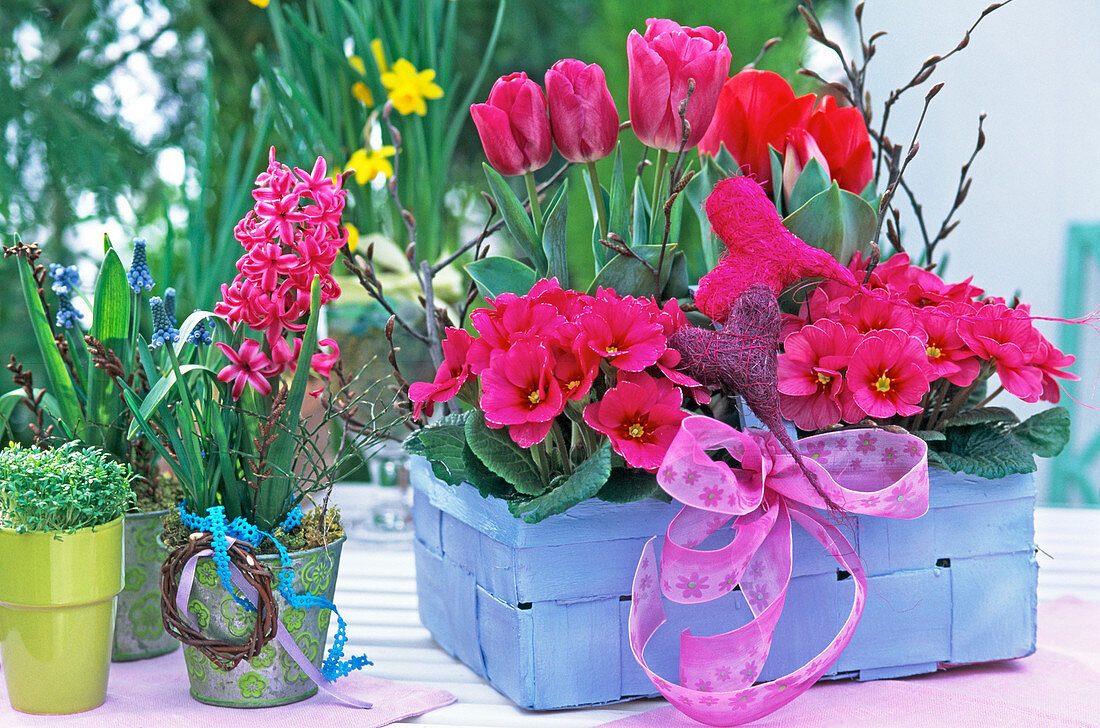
618	211
500	454
516	219
697	191
633	275
835	221
554	236
583	483
641	212
497	274
777	176
809	184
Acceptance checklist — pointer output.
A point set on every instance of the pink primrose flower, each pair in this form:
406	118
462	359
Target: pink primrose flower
810	373
948	355
519	386
624	332
887	373
1006	337
641	416
1051	362
510	319
452	374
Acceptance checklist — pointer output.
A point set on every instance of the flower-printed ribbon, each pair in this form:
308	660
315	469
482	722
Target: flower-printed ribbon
884	474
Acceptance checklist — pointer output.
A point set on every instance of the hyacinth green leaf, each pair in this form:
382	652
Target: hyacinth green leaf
516	219
583	483
629	276
203	317
641	212
500	454
60	383
1045	433
554	242
160	390
111	326
496	275
835	221
812	182
984	450
626	485
276	493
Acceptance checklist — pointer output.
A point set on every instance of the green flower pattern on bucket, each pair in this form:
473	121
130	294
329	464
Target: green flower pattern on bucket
197	664
252	685
139	631
145	617
266	658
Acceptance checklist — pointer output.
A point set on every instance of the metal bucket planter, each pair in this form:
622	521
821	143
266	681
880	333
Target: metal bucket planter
139	630
57	612
272	678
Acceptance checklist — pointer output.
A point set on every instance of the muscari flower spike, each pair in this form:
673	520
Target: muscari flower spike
170	305
67	314
139	276
163	330
66	279
200	335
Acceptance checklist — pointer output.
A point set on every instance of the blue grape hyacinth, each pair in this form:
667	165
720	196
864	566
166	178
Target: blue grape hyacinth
170	306
66	279
200	335
163	331
139	276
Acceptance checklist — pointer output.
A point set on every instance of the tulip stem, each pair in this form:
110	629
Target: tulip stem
533	198
658	180
597	192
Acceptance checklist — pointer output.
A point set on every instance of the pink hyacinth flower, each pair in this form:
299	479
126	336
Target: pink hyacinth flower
249	366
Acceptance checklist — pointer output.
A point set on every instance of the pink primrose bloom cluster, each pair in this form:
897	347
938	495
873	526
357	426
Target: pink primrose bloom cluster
874	351
537	353
292	235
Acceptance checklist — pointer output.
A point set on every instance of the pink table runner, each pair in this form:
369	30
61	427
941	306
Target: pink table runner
154	694
1057	686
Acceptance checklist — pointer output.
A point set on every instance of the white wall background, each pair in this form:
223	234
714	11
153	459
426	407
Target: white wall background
1032	66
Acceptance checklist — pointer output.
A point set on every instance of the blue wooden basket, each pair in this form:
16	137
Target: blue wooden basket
540	610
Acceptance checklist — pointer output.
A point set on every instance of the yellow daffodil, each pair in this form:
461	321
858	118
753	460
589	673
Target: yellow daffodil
408	87
353	237
379	55
368	165
359	89
260	3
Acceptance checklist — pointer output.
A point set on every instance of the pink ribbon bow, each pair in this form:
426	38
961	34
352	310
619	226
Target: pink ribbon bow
885	474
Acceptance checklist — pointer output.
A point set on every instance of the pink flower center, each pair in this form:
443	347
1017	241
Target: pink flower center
883	383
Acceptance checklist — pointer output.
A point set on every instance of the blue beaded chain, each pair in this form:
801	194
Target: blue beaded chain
334	665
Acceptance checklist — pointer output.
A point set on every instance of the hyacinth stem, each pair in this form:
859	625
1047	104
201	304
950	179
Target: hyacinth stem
658	179
533	196
597	191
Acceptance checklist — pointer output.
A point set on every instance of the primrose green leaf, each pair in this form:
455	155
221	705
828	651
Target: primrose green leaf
584	482
984	450
501	455
1045	433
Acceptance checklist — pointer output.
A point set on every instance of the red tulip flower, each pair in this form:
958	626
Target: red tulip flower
758	109
841	134
514	126
755	110
661	64
583	117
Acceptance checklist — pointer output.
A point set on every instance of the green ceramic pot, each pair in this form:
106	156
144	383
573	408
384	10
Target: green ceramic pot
57	615
139	630
272	678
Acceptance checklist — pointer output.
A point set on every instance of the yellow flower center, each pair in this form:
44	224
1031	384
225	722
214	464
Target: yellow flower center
934	352
823	378
573	385
612	349
534	397
636	430
883	383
